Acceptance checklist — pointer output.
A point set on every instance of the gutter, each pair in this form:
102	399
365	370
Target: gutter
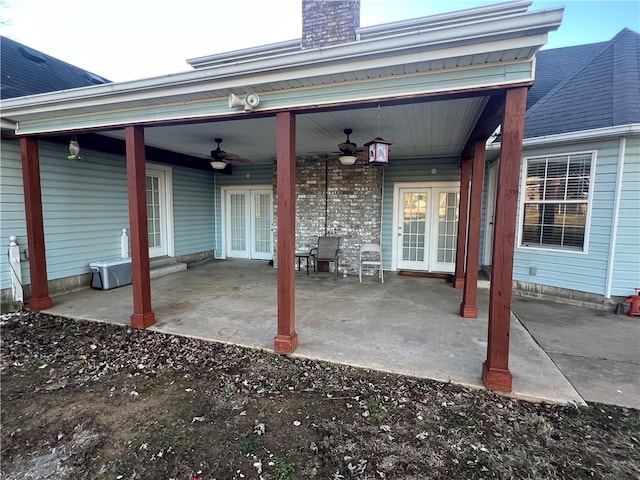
614	220
630	130
339	58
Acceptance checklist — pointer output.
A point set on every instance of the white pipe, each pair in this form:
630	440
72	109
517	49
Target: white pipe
382	216
614	220
16	271
124	244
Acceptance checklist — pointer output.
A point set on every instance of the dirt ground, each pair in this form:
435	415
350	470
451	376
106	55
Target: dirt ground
83	400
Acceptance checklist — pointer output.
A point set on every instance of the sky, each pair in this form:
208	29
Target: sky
132	39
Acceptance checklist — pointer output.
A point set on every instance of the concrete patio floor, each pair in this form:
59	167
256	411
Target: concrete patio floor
408	325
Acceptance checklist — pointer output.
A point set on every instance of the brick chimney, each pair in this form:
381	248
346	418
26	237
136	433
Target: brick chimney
328	22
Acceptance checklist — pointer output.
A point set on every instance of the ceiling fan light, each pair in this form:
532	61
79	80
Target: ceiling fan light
347	159
218	164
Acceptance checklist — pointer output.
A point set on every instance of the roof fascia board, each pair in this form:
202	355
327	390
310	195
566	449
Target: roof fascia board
445	19
404	26
631	130
340	58
473	80
215	84
287	46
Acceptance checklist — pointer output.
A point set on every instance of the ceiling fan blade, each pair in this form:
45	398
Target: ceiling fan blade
239	160
347	147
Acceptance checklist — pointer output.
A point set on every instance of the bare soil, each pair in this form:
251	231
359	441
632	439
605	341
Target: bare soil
83	400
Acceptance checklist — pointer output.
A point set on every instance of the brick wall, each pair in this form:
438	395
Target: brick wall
328	22
353	206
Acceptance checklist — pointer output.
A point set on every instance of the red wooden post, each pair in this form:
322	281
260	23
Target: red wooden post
40	299
469	305
142	316
286	340
495	370
463	222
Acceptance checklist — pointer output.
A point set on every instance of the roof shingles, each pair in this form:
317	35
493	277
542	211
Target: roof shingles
25	71
586	87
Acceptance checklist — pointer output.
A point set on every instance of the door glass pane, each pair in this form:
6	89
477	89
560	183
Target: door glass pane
238	222
262	223
447	226
153	211
414	226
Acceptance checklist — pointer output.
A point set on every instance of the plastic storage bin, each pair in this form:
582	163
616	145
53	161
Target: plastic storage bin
108	274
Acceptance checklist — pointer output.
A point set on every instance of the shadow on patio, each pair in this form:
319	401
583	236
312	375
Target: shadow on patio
407	325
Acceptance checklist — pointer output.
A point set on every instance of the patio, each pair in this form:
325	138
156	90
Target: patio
408	325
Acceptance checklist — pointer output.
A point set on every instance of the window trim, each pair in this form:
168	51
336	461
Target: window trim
587	226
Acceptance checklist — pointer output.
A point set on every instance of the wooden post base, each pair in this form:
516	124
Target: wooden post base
458	282
143	320
468	311
496	378
285	343
42	303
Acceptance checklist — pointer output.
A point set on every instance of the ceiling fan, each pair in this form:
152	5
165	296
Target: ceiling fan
349	151
220	158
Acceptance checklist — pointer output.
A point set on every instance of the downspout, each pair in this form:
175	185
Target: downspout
614	220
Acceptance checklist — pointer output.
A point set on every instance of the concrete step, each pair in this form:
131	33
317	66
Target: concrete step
161	261
164	266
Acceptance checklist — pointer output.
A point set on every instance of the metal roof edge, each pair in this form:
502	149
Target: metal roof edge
443	19
512	28
632	129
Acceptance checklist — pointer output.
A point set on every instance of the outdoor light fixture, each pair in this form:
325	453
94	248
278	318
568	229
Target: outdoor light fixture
347	159
378	151
378	148
74	149
218	164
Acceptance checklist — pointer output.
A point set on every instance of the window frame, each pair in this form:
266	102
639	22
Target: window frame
587	227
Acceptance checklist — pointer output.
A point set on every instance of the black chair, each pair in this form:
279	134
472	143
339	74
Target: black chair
328	250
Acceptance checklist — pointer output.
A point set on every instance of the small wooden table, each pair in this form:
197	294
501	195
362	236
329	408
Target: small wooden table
300	256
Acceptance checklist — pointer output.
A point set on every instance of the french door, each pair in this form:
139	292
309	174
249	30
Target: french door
426	227
249	216
159	212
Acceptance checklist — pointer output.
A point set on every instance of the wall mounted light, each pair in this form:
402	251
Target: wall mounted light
74	149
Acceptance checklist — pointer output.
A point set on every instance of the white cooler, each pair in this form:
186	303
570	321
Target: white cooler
108	274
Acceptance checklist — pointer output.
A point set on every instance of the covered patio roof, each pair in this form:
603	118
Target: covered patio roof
434	86
458	59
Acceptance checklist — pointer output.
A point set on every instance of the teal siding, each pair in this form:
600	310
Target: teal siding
242	176
85	208
193	211
408	171
578	271
626	267
12	218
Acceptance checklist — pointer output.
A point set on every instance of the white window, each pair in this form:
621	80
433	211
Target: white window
555	201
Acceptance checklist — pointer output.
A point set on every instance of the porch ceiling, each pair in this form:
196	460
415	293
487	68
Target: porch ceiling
435	128
433	77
